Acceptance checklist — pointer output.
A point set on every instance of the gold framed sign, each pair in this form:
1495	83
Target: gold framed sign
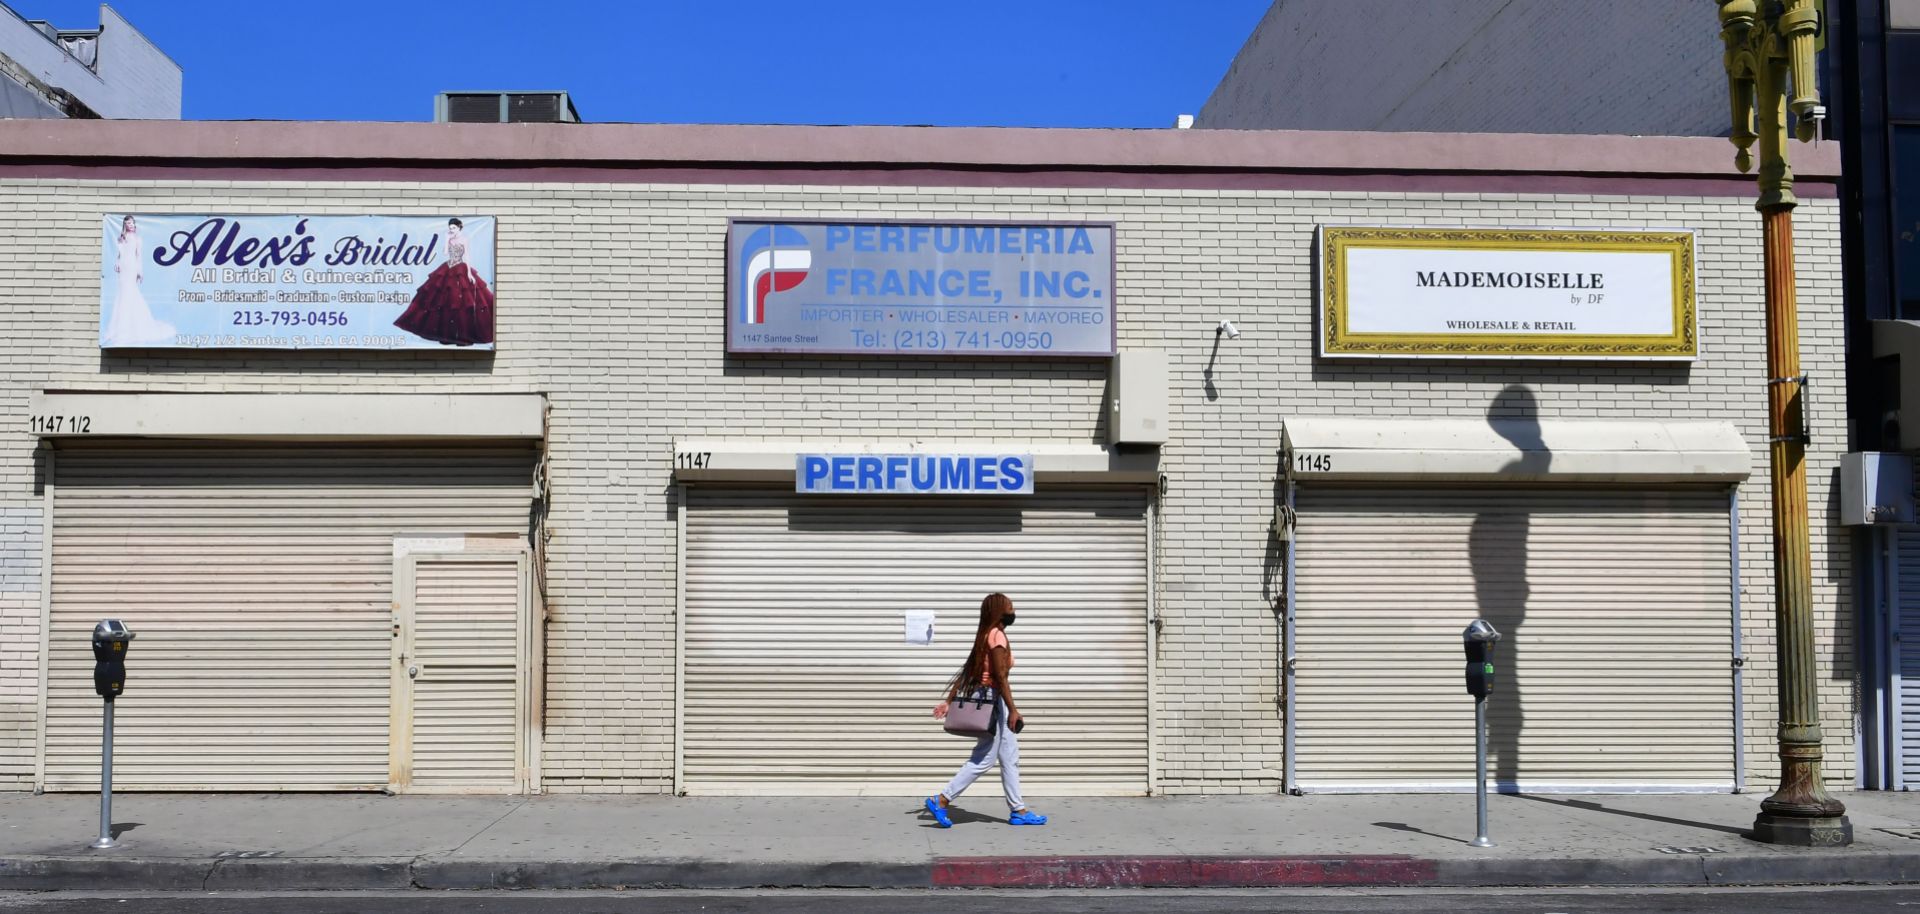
1506	294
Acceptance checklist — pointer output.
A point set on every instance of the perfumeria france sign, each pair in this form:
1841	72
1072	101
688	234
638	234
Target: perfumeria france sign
1537	294
877	288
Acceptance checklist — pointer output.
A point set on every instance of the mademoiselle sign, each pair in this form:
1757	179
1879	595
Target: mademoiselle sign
296	282
1471	293
920	288
913	474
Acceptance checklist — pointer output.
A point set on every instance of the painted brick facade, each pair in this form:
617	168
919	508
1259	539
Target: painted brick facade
131	78
611	304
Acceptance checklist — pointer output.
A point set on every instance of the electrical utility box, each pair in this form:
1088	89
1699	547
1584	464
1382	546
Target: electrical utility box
1876	489
1137	397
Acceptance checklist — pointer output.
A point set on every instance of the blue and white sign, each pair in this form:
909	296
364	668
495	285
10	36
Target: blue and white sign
255	281
914	474
920	288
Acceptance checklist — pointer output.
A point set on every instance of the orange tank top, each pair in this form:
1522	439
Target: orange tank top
995	638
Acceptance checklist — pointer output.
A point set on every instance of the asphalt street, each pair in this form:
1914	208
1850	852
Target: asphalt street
1880	900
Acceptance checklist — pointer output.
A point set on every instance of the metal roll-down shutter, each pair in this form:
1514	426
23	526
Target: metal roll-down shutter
797	677
1907	657
1616	609
258	579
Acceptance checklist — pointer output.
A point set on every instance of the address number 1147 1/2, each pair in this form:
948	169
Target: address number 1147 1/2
59	425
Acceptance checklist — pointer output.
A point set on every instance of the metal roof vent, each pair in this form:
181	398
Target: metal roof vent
504	108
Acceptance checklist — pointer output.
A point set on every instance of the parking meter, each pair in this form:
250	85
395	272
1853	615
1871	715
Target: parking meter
110	641
1480	639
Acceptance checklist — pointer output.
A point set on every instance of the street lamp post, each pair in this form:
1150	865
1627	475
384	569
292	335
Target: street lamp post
1768	41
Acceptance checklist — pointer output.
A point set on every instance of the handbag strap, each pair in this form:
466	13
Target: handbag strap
978	695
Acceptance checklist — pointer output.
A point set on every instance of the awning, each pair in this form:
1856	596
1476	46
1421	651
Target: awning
340	417
1553	450
773	460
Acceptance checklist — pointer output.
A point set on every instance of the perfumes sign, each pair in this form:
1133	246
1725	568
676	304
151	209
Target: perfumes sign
1468	293
296	282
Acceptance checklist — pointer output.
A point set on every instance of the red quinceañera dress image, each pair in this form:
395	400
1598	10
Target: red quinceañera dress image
454	306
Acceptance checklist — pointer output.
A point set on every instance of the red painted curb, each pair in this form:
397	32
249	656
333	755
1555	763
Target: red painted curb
1181	872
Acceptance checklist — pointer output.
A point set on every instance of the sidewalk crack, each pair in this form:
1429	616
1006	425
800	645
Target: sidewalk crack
522	804
207	880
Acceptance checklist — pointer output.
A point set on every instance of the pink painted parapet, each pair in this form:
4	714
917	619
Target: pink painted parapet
890	155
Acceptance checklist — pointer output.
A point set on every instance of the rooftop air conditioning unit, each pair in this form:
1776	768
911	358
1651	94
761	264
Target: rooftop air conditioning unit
504	108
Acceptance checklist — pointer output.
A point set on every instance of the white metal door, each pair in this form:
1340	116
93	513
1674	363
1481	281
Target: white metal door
797	677
1617	614
258	579
461	673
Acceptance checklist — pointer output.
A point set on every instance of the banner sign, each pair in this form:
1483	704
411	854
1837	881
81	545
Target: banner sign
920	288
296	282
1469	293
914	474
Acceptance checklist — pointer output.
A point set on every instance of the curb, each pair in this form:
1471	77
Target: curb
665	874
1180	872
1092	872
53	874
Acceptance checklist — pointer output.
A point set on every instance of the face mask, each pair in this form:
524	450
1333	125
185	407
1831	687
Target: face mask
1006	620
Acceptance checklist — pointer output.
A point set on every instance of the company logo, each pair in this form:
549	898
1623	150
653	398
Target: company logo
776	258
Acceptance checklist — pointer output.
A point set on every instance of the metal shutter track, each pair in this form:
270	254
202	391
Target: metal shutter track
797	680
1617	674
258	579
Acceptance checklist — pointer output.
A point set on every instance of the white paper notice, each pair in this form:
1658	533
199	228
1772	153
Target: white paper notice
919	627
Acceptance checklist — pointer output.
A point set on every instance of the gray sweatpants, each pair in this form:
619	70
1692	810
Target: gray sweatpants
1002	747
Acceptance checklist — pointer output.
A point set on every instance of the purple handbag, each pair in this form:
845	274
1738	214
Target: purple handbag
971	715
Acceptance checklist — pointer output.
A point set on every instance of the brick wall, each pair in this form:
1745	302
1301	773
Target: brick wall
1627	67
611	304
141	80
132	78
20	544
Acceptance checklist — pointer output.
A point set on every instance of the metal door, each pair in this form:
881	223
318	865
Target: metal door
461	673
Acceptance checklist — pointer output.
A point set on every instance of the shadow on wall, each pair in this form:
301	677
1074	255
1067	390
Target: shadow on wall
1497	556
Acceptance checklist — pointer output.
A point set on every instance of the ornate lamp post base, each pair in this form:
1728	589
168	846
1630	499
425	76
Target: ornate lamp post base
1798	831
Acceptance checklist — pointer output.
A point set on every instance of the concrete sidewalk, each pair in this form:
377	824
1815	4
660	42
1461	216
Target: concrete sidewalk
255	842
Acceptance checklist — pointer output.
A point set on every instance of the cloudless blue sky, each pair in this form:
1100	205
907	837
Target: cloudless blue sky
1059	63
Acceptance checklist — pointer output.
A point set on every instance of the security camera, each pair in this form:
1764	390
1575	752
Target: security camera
1227	327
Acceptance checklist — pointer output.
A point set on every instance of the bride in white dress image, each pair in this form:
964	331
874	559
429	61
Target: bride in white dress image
130	322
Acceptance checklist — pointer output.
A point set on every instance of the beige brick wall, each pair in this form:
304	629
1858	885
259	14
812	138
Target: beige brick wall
611	304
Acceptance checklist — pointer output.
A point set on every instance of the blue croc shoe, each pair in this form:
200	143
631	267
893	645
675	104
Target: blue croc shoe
1026	817
940	813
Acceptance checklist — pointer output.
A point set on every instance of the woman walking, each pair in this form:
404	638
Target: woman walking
989	666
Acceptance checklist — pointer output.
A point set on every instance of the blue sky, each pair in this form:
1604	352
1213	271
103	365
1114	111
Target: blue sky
1061	63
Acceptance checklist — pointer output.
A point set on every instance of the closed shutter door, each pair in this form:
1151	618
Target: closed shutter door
1908	659
466	678
258	580
1615	666
798	679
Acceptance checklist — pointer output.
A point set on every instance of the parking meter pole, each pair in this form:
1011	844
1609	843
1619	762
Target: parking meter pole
106	779
1480	838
